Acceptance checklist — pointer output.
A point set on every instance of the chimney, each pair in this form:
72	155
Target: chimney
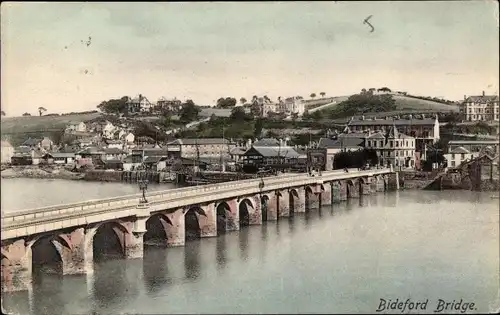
465	97
483	93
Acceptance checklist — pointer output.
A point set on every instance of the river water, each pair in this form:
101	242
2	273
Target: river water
340	259
28	193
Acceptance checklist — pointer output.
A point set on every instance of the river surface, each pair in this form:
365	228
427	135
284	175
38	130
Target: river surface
340	259
29	193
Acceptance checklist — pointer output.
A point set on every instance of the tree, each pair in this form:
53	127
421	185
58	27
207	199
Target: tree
189	112
313	95
259	124
26	114
228	102
41	110
238	114
243	100
384	89
322	94
358	104
256	110
114	106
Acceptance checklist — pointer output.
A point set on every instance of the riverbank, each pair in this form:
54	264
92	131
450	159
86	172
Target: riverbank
40	173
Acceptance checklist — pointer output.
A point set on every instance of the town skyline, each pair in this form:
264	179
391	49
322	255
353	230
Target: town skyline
72	56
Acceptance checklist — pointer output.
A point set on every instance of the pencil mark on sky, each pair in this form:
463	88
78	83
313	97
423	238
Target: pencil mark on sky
366	22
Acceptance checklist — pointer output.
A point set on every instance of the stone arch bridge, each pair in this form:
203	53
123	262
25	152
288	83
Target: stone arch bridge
68	238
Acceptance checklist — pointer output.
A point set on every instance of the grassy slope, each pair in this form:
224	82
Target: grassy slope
413	104
13	125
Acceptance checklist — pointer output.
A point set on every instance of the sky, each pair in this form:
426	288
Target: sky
206	50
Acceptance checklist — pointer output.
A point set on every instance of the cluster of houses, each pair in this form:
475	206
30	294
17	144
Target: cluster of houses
403	143
288	106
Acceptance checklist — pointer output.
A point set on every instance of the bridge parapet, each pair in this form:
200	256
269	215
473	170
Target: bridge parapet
45	219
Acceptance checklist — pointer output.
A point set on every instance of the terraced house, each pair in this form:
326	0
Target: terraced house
480	108
424	130
208	147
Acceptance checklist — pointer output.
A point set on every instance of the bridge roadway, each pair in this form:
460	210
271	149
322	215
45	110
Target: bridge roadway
71	228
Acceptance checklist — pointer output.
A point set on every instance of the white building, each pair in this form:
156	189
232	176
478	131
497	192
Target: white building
292	105
7	151
138	104
480	108
458	155
393	148
76	127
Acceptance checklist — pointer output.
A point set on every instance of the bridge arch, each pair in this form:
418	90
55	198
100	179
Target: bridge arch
245	207
191	223
109	240
293	198
47	254
222	209
157	229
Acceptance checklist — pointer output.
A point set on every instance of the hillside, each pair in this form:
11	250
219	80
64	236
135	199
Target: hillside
404	103
12	125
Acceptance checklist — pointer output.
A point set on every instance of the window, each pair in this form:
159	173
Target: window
453	163
390	144
462	156
397	143
369	143
397	153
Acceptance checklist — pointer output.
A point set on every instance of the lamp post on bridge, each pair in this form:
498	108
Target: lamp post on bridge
143	185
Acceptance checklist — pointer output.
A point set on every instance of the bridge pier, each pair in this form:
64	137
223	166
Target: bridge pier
393	181
326	195
312	198
208	222
353	188
299	204
343	190
77	251
365	186
134	241
176	230
335	192
233	215
380	183
272	206
16	267
373	184
284	203
256	215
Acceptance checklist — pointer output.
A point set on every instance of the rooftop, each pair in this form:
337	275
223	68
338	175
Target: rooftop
201	141
389	122
460	150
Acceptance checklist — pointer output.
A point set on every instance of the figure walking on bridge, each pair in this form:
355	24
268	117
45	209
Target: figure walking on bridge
143	185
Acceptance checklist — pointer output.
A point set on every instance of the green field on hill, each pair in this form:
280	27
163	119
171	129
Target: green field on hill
12	125
405	103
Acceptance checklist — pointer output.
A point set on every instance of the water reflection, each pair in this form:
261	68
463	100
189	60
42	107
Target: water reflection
192	259
47	293
193	268
243	244
221	252
155	269
109	282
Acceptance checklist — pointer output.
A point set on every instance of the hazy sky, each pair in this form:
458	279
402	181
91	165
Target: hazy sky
207	50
